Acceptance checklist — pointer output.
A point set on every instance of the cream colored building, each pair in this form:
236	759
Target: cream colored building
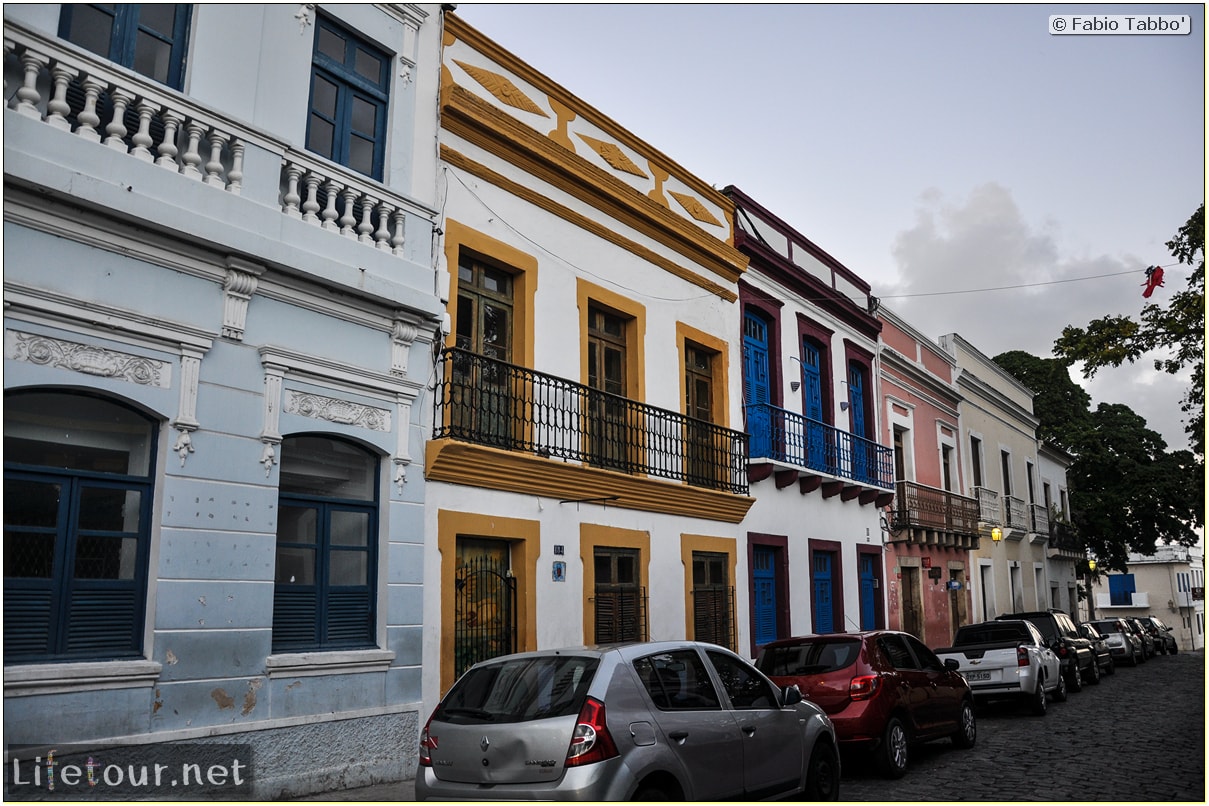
1001	470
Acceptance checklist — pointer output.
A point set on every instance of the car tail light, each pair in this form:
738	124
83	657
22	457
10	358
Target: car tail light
1060	650
863	686
1021	656
428	743
591	741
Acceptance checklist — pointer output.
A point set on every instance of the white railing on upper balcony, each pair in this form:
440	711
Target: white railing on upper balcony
83	94
988	505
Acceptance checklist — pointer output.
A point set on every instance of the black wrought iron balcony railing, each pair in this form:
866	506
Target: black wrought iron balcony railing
1062	537
786	436
920	506
491	402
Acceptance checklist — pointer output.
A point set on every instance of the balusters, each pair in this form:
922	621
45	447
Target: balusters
214	165
57	107
88	117
235	175
167	148
291	198
117	126
366	227
332	188
192	158
28	96
396	239
347	220
382	234
310	207
142	138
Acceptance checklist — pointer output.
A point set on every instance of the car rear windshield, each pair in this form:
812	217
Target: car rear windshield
1106	627
815	657
991	633
519	690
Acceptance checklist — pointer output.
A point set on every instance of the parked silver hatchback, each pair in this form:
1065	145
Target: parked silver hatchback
663	720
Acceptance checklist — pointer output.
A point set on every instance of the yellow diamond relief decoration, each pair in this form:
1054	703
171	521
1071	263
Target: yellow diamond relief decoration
695	208
613	155
502	88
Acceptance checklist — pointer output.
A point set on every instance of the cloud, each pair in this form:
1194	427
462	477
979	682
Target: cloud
957	252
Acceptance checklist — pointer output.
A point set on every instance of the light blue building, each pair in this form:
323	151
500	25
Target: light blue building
220	306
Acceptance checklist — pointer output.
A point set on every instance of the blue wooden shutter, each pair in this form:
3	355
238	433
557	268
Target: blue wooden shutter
824	620
868	594
756	384
765	594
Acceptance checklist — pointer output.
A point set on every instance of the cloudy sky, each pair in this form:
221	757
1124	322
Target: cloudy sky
931	148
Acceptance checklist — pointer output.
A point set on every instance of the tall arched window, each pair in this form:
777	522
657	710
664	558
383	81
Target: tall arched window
77	504
327	526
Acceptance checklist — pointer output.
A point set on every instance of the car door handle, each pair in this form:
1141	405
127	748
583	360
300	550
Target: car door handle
750	730
678	735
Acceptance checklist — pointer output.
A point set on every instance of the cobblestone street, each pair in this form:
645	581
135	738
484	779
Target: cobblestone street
1137	736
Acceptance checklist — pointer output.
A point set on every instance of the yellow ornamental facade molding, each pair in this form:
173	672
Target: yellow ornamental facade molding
502	88
612	154
695	208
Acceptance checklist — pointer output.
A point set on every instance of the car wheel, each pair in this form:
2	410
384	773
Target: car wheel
967	727
1040	703
1093	672
1060	691
650	793
1074	680
891	755
823	776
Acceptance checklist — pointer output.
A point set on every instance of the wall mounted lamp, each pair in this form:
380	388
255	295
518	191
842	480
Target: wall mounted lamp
795	386
996	534
843	405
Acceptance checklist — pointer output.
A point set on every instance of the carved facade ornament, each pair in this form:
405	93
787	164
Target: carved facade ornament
303	15
612	154
334	410
695	208
238	288
86	358
502	88
401	337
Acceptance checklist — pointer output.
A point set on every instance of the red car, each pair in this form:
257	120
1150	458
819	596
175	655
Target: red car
883	690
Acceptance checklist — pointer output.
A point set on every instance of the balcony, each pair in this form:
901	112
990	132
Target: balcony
1038	523
1015	518
498	405
197	169
931	516
988	506
1063	542
797	448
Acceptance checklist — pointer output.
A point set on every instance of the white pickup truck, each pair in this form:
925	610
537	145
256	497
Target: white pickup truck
1005	660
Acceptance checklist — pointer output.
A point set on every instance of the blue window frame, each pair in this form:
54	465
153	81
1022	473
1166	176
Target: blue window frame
350	84
756	383
77	504
1120	589
327	526
150	38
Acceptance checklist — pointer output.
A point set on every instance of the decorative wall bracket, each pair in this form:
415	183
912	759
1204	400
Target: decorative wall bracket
238	288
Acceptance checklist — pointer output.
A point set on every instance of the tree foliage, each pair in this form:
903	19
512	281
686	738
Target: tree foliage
1176	331
1127	493
1065	403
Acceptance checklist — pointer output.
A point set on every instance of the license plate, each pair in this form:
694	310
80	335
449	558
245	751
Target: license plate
974	676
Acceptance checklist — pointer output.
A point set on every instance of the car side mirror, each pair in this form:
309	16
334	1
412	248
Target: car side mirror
952	664
792	695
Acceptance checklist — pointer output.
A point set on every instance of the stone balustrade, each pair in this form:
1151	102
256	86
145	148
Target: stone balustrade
90	97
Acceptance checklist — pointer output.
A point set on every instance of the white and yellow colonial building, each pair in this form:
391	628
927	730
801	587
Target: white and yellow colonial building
586	476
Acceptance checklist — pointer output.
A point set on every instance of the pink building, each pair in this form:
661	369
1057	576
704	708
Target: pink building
931	528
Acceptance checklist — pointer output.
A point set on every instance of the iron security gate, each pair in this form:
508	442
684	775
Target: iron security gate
484	612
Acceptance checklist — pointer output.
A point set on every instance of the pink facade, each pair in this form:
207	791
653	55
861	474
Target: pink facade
931	526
